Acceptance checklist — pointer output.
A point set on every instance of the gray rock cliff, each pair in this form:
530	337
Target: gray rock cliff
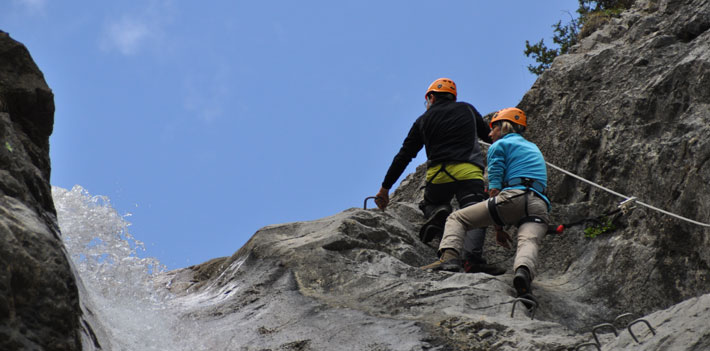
626	109
39	301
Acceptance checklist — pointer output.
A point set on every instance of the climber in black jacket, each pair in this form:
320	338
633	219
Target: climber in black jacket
449	130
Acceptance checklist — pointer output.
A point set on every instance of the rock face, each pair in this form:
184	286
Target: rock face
352	282
39	301
626	109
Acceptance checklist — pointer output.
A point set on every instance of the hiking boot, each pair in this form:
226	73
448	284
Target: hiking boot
434	226
449	261
491	269
521	281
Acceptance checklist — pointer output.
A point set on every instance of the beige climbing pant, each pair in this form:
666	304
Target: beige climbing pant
510	205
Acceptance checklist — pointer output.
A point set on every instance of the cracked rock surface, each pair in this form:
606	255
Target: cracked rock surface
626	109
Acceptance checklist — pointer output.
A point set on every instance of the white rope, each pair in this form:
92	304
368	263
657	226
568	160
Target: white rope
619	194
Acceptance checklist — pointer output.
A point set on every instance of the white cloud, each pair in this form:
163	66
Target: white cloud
139	29
126	35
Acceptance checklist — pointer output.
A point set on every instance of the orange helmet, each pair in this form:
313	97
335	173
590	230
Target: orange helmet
442	85
512	114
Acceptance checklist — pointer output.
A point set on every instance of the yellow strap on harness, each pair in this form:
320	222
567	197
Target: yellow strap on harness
460	171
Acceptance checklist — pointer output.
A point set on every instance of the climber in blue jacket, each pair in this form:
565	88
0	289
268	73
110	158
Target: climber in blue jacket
517	182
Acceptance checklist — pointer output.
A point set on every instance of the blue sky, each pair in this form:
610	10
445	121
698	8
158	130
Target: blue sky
209	120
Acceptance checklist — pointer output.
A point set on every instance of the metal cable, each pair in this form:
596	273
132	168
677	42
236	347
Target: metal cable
619	194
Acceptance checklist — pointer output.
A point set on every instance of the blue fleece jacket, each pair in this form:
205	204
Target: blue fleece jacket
513	157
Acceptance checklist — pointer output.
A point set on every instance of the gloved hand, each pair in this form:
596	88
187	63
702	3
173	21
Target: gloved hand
382	199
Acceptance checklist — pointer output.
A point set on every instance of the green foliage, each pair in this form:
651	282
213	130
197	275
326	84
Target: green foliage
605	225
591	14
565	36
589	6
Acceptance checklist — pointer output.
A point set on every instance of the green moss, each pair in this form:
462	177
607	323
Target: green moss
605	225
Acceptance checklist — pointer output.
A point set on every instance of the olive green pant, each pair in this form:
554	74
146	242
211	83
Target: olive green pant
511	205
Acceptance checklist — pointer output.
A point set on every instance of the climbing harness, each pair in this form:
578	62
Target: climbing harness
433	227
621	195
493	210
530	185
442	168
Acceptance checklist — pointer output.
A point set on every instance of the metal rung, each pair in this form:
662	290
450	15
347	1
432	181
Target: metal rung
524	300
620	317
364	206
603	325
597	344
640	320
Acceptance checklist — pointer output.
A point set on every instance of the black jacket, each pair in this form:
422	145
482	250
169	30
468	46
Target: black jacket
450	132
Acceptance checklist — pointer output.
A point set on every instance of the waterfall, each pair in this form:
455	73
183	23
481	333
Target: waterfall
119	283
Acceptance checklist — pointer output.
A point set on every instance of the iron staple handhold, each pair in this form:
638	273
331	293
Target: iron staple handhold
603	325
524	300
640	320
364	206
621	316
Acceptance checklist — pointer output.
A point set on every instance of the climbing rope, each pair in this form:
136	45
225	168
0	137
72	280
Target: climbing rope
620	195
